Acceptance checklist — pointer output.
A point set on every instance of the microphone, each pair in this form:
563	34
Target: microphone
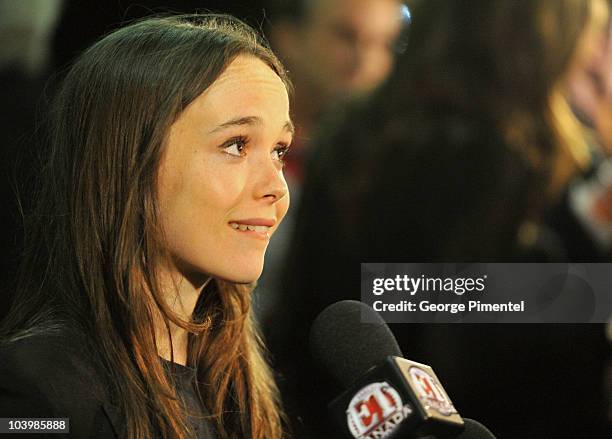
386	394
475	430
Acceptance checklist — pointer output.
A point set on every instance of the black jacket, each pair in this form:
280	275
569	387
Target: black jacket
47	376
50	376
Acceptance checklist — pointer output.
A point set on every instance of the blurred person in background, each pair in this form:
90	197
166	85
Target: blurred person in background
589	196
336	51
459	157
590	88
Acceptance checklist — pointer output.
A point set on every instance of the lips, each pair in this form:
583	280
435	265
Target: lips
256	222
260	226
253	228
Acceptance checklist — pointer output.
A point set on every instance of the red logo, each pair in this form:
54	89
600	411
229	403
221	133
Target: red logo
430	392
375	411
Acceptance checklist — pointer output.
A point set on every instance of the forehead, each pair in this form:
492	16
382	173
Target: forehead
248	78
600	14
363	14
248	85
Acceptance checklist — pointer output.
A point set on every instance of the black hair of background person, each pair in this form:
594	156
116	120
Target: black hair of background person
422	173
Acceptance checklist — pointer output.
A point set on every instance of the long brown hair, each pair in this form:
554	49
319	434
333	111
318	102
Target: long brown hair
94	232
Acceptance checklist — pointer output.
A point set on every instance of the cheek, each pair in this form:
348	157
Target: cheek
194	214
216	190
381	61
197	200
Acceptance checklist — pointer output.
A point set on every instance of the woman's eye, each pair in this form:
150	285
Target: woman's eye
235	147
280	152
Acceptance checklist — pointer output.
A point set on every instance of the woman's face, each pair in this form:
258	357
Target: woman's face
221	191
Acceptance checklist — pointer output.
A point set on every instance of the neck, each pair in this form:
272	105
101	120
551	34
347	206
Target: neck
181	296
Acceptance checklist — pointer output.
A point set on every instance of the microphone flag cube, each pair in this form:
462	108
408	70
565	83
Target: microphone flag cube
399	398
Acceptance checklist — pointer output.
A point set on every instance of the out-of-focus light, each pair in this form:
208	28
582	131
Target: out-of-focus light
406	13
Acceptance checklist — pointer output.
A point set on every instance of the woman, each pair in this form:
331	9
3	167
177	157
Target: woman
458	158
160	192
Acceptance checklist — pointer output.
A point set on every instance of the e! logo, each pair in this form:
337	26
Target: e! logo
377	406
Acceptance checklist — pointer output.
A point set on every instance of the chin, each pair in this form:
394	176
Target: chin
239	272
246	275
248	278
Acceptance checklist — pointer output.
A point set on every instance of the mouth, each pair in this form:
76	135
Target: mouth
256	228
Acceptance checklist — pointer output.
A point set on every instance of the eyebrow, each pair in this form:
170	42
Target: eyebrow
250	120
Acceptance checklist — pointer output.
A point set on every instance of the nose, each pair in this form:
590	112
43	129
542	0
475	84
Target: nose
270	183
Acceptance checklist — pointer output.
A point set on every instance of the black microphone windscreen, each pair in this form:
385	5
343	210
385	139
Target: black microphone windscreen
475	430
346	347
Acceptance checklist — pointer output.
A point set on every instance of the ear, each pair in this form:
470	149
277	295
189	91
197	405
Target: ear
284	38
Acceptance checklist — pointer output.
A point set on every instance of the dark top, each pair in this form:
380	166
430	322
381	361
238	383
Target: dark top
184	381
48	376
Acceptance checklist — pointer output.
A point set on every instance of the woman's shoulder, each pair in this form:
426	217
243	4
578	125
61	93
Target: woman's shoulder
43	354
46	374
39	340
